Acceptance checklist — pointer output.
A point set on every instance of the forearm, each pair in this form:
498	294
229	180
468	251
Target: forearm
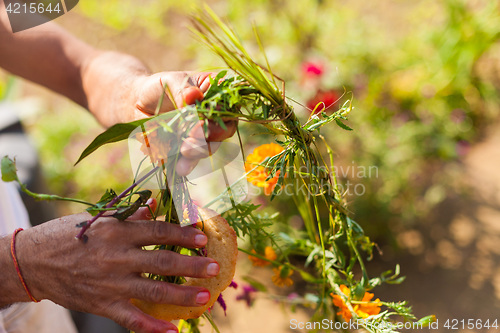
108	78
47	55
52	57
11	290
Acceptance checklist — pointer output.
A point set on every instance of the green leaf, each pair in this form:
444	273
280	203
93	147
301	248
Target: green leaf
105	199
311	255
9	170
359	292
124	213
221	123
309	278
115	133
342	125
426	321
356	229
254	283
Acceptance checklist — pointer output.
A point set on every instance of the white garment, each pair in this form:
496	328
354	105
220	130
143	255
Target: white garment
13	214
43	317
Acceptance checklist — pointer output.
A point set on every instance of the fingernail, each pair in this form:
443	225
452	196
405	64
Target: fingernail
200	240
171	331
149	202
213	269
203	297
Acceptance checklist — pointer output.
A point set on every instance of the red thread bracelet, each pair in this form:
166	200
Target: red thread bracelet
16	264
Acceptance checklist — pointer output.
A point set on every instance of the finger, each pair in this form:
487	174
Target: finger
169	293
129	316
184	87
203	80
151	93
213	132
185	166
176	88
190	95
142	233
217	133
144	213
193	148
168	263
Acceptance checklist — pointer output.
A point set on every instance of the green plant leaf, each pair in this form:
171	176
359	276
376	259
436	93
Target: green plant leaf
427	320
9	170
124	213
308	277
342	125
115	133
105	199
254	283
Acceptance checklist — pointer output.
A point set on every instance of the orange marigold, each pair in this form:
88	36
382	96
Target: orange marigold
365	309
281	277
268	253
259	175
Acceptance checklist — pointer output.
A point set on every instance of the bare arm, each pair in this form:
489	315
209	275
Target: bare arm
47	55
8	278
115	87
50	56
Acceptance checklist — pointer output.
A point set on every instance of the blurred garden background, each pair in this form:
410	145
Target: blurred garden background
424	78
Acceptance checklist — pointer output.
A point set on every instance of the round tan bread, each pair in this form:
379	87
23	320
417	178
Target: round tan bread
223	248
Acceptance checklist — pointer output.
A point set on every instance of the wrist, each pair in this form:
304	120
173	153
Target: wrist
12	290
13	252
110	82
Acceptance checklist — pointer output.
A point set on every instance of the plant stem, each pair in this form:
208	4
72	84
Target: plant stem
49	197
113	202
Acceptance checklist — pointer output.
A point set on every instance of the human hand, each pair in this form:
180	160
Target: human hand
103	274
185	89
119	88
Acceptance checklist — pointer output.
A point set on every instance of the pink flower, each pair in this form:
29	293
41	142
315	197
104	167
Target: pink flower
222	303
247	295
458	116
292	296
312	69
462	147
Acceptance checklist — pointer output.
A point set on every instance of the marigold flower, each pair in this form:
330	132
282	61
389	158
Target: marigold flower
259	174
369	308
364	310
281	277
268	254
